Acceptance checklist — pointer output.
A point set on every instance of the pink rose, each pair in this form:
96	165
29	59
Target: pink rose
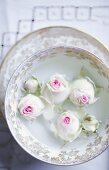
66	120
57	89
68	126
83	99
30	106
56	84
27	110
82	92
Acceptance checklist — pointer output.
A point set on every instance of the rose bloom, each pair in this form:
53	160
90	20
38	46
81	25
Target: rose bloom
31	85
30	106
82	92
57	89
90	123
67	126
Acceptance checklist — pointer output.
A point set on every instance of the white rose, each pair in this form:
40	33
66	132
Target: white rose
31	85
57	89
30	106
67	126
90	123
82	92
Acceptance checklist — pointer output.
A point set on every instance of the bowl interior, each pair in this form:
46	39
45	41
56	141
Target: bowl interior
68	61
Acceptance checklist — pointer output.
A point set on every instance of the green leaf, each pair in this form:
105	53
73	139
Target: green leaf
38	91
24	91
35	78
98	90
58	108
81	113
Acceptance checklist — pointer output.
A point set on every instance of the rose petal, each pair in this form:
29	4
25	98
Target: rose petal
70	131
82	87
32	101
48	111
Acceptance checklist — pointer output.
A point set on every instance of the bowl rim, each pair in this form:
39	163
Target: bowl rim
43	30
50	27
43	53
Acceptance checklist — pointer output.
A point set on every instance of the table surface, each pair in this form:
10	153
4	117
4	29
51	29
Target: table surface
18	18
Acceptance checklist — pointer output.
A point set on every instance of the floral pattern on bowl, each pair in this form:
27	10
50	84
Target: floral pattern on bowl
40	143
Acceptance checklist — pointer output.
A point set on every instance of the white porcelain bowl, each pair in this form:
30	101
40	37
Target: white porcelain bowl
34	136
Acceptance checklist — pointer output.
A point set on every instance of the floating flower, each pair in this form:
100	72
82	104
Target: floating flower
90	123
57	89
82	92
31	85
30	106
68	126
